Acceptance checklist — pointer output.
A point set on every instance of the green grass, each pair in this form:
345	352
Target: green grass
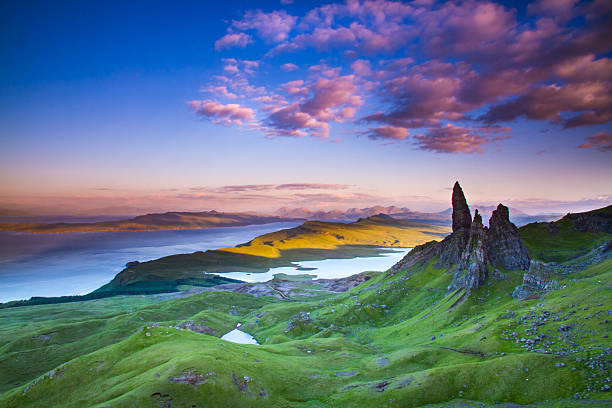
394	341
560	241
108	360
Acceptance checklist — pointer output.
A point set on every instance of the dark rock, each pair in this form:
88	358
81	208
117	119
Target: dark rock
596	221
300	321
473	270
419	255
462	218
506	249
452	247
195	327
471	248
538	279
191	378
132	263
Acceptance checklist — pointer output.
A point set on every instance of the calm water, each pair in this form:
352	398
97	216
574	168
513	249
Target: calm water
329	268
240	337
77	263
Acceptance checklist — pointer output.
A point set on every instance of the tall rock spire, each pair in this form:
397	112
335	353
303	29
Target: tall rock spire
461	212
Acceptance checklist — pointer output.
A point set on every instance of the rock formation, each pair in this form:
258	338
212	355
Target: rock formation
506	248
473	270
472	249
461	212
538	279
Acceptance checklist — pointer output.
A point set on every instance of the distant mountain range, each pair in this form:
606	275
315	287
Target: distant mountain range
150	222
213	219
403	213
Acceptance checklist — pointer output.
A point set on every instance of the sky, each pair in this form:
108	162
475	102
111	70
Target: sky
113	106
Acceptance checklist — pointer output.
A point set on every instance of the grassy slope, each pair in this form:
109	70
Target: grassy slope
379	336
311	241
560	241
150	222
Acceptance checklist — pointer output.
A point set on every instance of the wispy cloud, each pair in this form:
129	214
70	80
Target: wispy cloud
600	140
230	114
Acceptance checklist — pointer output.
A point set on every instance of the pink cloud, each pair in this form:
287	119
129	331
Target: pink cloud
600	140
288	67
318	103
464	28
591	100
233	40
560	9
388	132
230	114
311	186
457	139
331	93
220	91
273	27
296	87
584	68
362	67
291	121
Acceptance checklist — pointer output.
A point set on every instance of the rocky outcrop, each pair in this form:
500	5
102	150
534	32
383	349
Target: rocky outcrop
451	248
537	280
472	270
418	256
506	249
472	249
462	218
596	221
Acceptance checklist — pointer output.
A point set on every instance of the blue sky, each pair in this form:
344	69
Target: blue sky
163	105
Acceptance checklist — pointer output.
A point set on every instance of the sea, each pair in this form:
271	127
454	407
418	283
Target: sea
77	263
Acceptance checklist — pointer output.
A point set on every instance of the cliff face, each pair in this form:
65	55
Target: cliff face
472	248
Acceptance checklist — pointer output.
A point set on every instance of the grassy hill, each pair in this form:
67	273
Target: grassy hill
150	222
397	340
314	240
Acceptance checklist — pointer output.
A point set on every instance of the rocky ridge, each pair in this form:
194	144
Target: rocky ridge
472	249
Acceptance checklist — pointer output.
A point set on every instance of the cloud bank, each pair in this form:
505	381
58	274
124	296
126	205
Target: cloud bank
449	77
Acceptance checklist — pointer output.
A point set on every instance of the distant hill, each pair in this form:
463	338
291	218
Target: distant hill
353	214
176	220
313	240
150	222
8	212
402	213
